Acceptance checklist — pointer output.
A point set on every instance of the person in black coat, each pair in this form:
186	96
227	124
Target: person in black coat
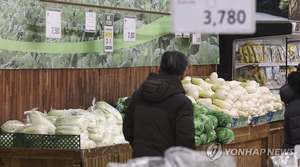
290	95
159	114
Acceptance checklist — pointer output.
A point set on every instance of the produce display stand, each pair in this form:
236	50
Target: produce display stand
43	157
247	137
275	137
262	136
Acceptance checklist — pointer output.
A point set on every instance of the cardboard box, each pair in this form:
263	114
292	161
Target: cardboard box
275	116
239	122
259	120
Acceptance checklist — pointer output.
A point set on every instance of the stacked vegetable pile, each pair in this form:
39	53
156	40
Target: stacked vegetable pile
237	99
211	126
99	125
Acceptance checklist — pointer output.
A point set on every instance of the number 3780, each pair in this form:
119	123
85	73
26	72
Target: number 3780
230	16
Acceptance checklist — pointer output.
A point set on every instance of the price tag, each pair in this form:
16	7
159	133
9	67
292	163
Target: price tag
90	22
196	38
53	23
129	29
186	35
108	33
214	16
178	34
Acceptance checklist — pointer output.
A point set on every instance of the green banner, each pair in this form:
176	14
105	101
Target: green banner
154	30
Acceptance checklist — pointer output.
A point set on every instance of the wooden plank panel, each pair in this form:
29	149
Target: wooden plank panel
23	90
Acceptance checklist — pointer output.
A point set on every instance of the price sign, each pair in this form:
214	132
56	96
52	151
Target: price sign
53	23
129	29
214	16
196	38
108	33
90	22
178	35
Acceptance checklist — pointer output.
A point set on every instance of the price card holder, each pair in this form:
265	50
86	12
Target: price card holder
129	29
108	33
196	38
186	35
214	16
90	22
178	35
53	23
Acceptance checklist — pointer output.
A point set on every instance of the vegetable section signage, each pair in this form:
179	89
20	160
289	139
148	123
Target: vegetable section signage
109	33
53	23
214	16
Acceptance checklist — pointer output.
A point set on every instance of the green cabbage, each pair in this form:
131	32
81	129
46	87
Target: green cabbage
211	136
223	118
203	138
214	120
197	140
123	103
224	135
207	123
199	109
199	127
109	110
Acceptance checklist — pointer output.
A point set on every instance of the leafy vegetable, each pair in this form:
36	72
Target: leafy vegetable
211	136
214	120
207	123
223	118
203	138
12	126
199	109
224	135
199	127
123	103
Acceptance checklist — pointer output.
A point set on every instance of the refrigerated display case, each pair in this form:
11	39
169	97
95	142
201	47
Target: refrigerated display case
266	56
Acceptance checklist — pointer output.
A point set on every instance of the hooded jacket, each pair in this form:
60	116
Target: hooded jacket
290	95
158	117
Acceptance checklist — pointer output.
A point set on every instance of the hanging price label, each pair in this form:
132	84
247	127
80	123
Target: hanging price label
214	16
90	22
53	23
129	28
108	33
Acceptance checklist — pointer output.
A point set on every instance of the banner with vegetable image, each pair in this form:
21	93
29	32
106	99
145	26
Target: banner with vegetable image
23	44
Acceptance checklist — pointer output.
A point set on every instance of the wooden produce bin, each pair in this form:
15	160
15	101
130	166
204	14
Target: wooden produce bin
275	137
247	138
42	157
125	153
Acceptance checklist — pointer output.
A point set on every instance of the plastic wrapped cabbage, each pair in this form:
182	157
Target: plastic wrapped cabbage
36	129
199	109
74	120
38	118
223	118
12	126
203	138
199	127
214	120
207	123
211	136
224	135
67	130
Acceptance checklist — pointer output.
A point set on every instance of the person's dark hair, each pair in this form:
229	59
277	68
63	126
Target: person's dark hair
173	63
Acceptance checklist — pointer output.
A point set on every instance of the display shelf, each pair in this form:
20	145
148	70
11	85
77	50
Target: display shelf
271	64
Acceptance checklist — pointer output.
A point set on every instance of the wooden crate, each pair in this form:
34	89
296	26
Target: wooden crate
247	137
275	137
125	153
29	157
